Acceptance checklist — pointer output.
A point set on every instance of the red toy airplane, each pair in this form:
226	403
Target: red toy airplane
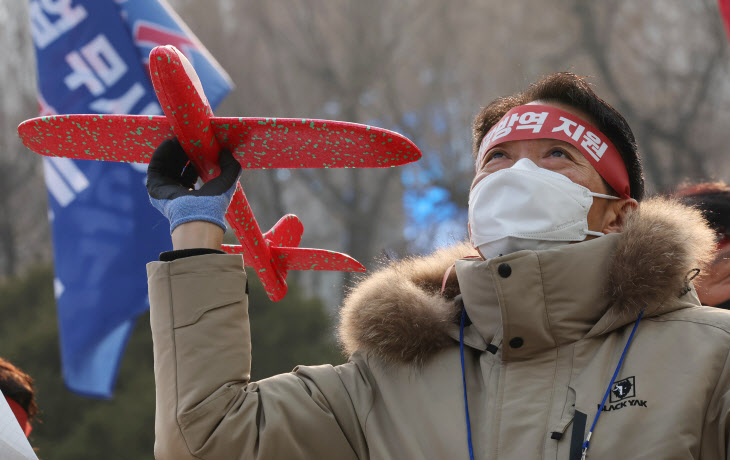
257	143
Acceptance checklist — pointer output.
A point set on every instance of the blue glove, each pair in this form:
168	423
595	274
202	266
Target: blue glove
171	185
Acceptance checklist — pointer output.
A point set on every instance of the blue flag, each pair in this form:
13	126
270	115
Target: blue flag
92	57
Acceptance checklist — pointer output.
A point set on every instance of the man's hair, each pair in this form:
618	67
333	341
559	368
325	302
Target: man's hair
18	386
570	89
713	200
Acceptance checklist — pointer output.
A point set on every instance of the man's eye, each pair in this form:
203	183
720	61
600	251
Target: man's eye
496	155
558	154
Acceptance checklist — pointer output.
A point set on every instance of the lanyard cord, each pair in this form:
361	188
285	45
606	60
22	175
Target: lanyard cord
586	443
463	379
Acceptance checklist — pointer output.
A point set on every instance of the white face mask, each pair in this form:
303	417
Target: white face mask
528	207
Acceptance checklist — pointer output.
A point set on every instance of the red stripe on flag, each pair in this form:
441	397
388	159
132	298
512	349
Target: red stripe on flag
161	36
725	13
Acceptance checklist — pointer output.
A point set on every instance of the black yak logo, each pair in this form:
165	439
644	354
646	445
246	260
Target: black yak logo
623	389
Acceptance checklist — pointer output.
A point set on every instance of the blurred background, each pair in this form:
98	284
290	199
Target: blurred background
423	68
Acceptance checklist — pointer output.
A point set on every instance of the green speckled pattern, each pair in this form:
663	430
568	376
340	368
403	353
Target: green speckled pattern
123	138
286	232
304	259
302	143
257	143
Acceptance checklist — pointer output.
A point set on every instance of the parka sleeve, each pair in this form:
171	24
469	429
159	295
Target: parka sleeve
716	433
206	408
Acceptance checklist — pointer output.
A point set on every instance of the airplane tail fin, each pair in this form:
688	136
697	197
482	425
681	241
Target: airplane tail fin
287	232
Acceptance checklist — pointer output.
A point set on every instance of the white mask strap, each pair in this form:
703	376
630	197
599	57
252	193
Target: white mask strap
608	197
600	195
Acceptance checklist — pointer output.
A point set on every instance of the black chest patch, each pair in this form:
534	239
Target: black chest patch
623	389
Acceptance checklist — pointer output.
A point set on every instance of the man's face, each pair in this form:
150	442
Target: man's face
555	155
713	287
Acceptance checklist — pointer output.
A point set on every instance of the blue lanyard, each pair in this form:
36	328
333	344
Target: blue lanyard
595	420
463	379
587	442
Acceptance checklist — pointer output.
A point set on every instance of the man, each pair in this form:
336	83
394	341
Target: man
713	200
510	355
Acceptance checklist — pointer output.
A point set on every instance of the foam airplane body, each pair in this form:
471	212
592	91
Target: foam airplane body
257	143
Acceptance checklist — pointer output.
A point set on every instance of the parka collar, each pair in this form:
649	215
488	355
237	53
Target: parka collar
578	290
534	301
537	300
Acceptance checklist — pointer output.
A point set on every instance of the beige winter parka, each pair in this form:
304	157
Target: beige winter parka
545	335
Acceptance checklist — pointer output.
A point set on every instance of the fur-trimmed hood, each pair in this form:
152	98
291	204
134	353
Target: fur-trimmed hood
399	314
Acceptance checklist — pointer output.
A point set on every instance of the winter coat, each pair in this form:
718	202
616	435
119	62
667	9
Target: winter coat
544	335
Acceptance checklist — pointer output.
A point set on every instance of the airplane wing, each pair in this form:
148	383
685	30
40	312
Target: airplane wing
257	143
290	258
121	138
264	143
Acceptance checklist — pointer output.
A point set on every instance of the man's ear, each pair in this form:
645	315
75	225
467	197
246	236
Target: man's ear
620	209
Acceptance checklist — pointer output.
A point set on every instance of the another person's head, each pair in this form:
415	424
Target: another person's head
578	155
17	387
713	200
